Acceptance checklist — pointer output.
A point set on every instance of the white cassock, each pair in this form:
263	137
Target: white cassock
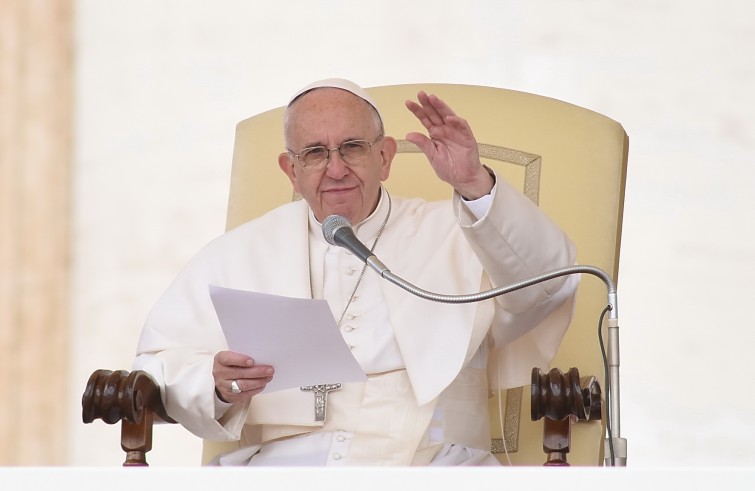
427	363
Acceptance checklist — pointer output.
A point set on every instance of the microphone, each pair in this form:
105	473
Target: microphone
337	231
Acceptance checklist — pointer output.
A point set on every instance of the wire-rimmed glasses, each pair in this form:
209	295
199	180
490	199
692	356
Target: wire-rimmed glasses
353	152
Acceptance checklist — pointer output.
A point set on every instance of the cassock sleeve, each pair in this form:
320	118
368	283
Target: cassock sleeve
181	322
514	241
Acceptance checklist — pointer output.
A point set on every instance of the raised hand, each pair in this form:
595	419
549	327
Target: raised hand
450	146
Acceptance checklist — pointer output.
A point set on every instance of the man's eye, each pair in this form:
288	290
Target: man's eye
315	153
353	146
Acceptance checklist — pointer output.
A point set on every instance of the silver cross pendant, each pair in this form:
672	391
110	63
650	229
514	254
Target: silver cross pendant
321	398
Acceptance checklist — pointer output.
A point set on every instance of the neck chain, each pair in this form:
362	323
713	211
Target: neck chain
364	268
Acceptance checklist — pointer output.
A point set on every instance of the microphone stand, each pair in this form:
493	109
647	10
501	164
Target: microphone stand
615	447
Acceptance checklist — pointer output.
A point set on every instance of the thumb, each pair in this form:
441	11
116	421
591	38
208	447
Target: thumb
423	142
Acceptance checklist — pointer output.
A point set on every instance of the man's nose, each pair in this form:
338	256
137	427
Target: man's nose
335	166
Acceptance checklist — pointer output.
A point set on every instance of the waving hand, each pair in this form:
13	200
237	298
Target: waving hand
450	146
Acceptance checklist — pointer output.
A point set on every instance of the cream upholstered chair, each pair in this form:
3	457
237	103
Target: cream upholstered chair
569	160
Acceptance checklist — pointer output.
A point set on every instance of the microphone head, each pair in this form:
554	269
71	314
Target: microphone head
331	225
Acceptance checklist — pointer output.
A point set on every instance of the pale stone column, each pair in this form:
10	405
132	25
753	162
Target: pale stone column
36	127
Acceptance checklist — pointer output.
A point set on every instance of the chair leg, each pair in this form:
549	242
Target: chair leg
136	440
556	441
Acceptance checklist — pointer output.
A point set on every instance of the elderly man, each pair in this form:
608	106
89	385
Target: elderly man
425	398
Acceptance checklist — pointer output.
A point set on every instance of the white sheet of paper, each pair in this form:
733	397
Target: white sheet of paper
299	337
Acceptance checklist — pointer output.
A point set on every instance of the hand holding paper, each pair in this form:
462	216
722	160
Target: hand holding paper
298	337
238	378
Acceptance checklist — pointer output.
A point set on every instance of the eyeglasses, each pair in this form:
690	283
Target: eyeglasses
353	152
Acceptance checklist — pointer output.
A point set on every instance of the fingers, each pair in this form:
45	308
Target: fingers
450	144
250	378
249	386
431	110
233	359
440	121
423	142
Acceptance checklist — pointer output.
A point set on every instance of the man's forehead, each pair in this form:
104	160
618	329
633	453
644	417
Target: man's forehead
337	83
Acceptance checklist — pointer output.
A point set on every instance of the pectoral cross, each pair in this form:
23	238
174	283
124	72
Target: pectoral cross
321	398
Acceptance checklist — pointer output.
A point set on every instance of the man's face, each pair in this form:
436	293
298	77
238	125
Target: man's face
329	117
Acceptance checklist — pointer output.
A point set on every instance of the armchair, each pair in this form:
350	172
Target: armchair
569	160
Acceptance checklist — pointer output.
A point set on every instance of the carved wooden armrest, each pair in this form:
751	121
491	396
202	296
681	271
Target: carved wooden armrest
561	398
130	397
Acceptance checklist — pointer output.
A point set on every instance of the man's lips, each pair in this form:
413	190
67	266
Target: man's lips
339	190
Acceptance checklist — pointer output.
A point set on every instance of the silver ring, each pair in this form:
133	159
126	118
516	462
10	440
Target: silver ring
235	387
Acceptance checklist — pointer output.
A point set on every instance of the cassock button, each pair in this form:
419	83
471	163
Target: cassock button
336	456
351	317
348	328
341	438
350	271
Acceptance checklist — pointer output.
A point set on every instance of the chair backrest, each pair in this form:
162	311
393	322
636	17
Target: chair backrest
569	160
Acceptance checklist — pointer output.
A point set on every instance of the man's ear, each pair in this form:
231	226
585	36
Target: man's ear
287	166
387	152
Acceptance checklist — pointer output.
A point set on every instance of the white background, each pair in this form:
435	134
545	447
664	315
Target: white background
161	85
